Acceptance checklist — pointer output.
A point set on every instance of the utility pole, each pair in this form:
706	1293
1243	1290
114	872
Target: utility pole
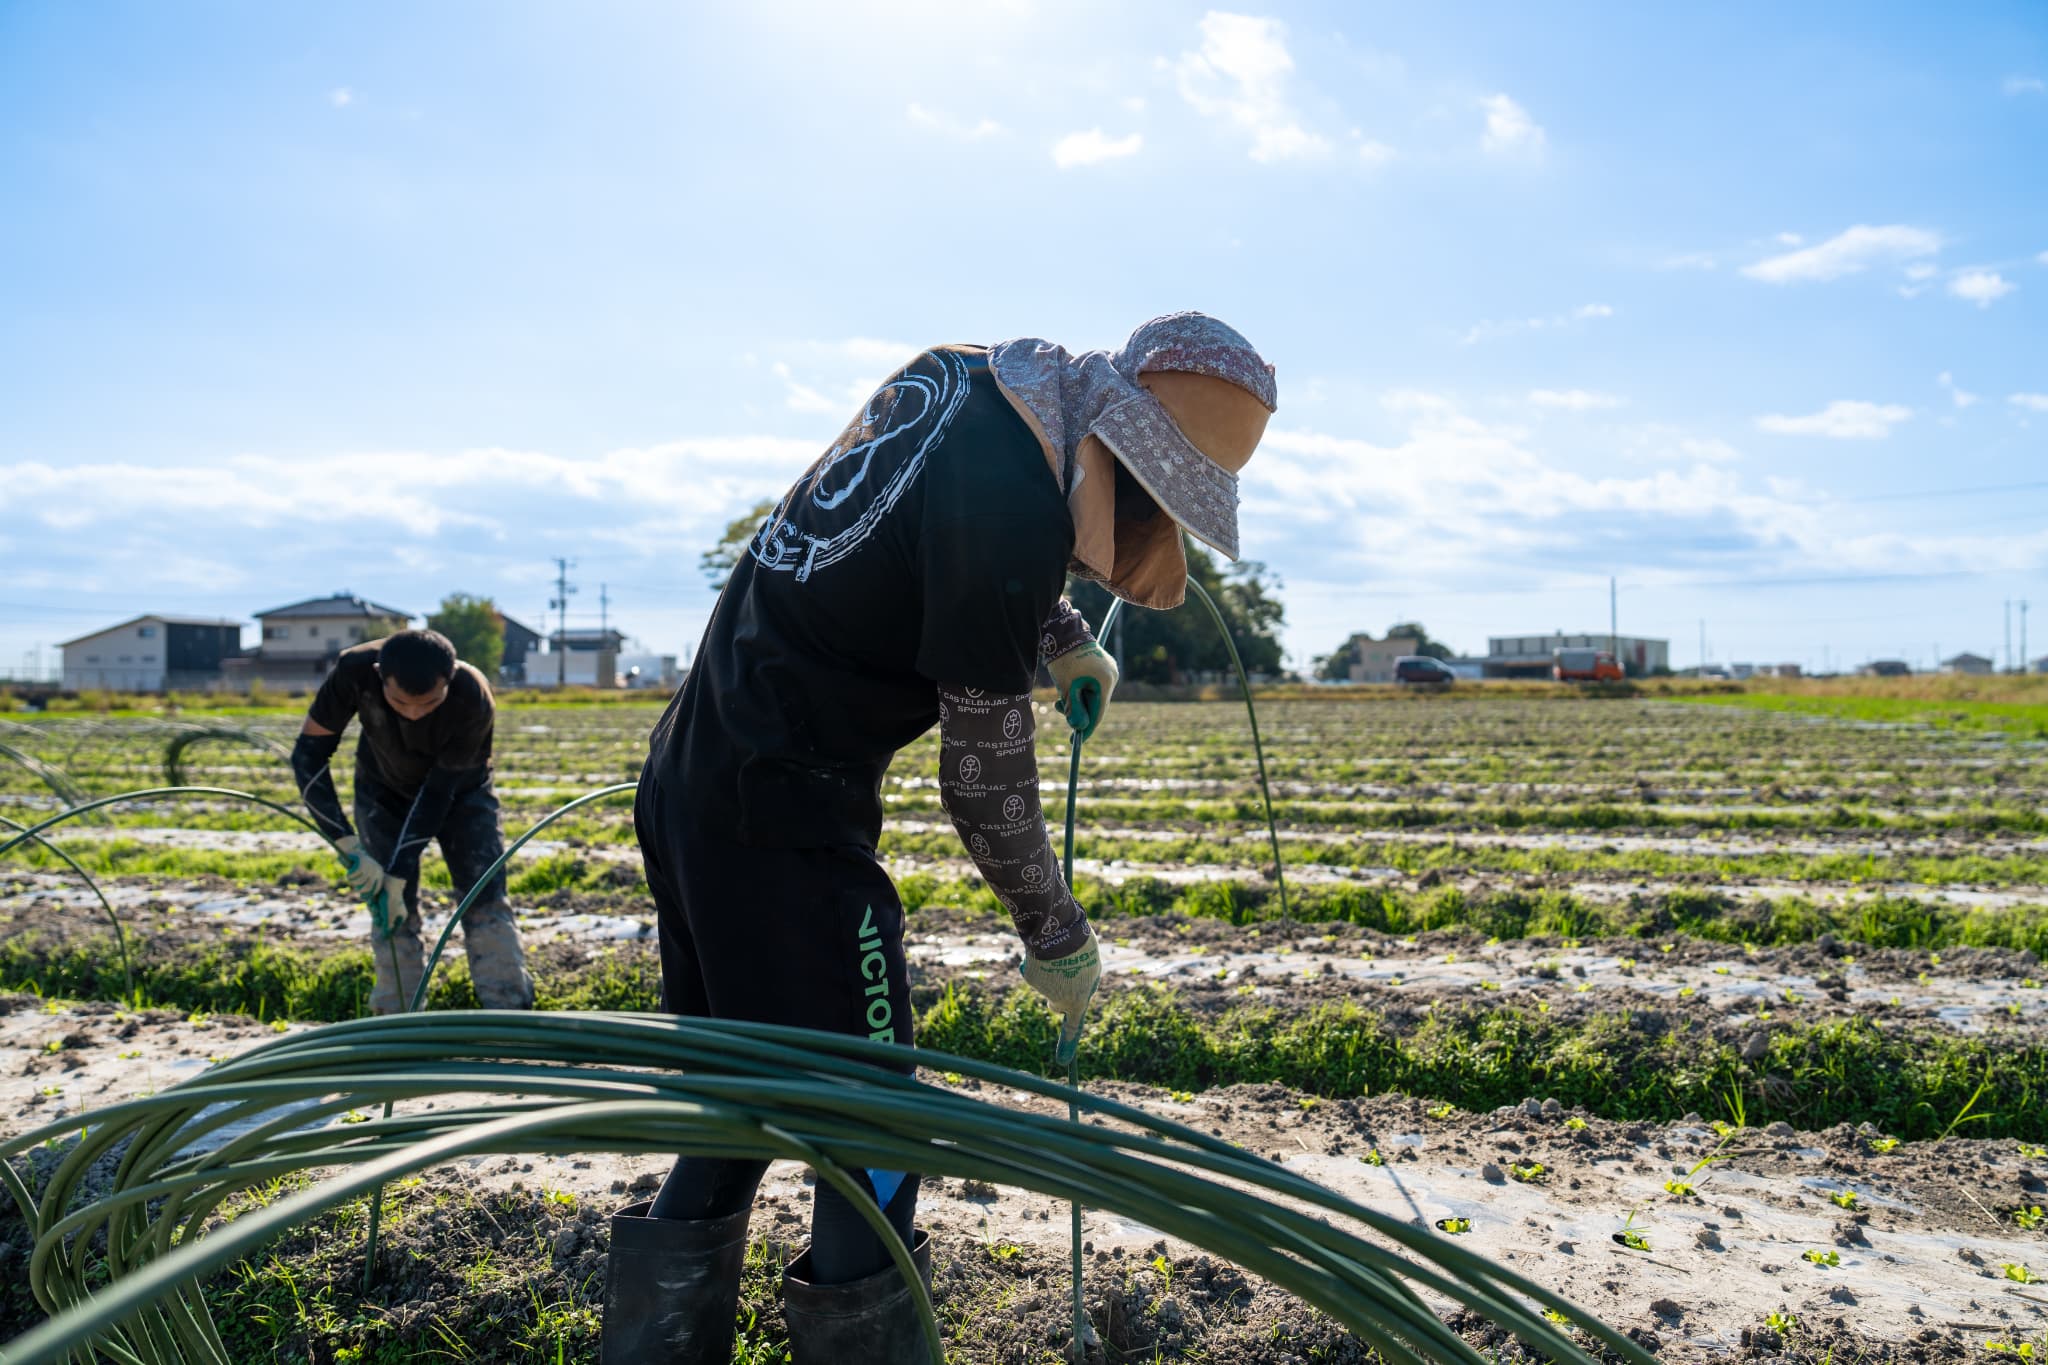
1613	616
604	603
2008	635
1703	644
2023	635
560	603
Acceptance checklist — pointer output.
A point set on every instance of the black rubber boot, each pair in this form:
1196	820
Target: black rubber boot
869	1322
671	1288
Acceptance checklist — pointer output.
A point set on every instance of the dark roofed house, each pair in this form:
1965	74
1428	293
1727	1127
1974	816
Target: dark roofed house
1967	663
521	642
302	640
153	653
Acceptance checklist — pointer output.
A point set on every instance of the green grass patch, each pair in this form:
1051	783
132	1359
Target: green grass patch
2021	720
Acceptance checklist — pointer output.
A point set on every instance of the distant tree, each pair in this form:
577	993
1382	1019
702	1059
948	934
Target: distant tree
1434	649
1336	665
474	627
720	560
1165	646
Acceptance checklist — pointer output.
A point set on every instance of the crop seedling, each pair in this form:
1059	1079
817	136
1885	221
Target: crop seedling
1575	1123
1552	1315
1630	1235
1883	1144
2024	1350
1528	1174
1373	1158
1828	1257
1721	971
1782	1323
2019	1274
1678	1189
2029	1218
1454	1226
1843	1199
1442	1111
2033	1153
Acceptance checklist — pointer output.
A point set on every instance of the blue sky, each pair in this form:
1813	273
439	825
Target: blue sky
1744	305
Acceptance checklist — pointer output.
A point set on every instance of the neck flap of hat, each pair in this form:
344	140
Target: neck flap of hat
1063	396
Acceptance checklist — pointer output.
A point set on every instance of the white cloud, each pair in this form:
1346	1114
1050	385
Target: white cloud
1135	103
2042	258
1093	147
1960	398
2032	402
1690	260
1509	129
1981	287
1374	153
801	397
2025	85
1922	270
1241	74
1843	420
1496	328
1847	253
341	97
1790	239
939	121
1574	400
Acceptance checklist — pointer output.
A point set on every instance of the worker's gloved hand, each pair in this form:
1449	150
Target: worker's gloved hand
1084	678
365	874
387	904
1068	984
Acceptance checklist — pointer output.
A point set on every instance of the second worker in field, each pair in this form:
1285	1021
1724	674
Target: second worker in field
911	577
422	774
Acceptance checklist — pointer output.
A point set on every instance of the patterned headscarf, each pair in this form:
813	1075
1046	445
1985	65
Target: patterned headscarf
1072	398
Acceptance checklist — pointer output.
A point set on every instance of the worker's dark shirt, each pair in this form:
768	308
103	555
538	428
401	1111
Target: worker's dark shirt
454	737
928	544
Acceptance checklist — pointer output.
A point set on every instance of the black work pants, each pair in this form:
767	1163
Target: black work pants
808	937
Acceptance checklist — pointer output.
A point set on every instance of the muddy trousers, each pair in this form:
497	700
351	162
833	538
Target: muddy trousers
808	937
470	841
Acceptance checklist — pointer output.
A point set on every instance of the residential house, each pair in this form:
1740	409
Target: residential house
301	641
578	658
521	643
1372	661
1974	664
152	654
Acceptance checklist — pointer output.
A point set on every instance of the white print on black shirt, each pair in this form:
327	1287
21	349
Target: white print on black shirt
911	413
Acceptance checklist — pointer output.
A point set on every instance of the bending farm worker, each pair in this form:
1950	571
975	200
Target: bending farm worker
913	575
423	773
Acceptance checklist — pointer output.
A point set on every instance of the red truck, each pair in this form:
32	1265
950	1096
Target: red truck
1585	665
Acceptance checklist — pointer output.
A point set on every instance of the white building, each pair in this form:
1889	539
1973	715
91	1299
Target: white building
152	654
1509	655
1975	664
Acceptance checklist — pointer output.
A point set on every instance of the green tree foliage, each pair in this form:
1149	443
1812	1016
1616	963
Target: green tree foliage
474	627
1166	646
1336	665
718	562
1435	649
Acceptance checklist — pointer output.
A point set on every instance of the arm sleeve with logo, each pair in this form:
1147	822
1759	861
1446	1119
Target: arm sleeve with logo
988	783
1066	630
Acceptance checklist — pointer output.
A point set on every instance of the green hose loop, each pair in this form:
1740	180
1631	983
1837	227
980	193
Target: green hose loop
120	930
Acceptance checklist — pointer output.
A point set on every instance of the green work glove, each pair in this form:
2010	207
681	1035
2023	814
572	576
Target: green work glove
1068	984
387	904
365	874
1084	678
